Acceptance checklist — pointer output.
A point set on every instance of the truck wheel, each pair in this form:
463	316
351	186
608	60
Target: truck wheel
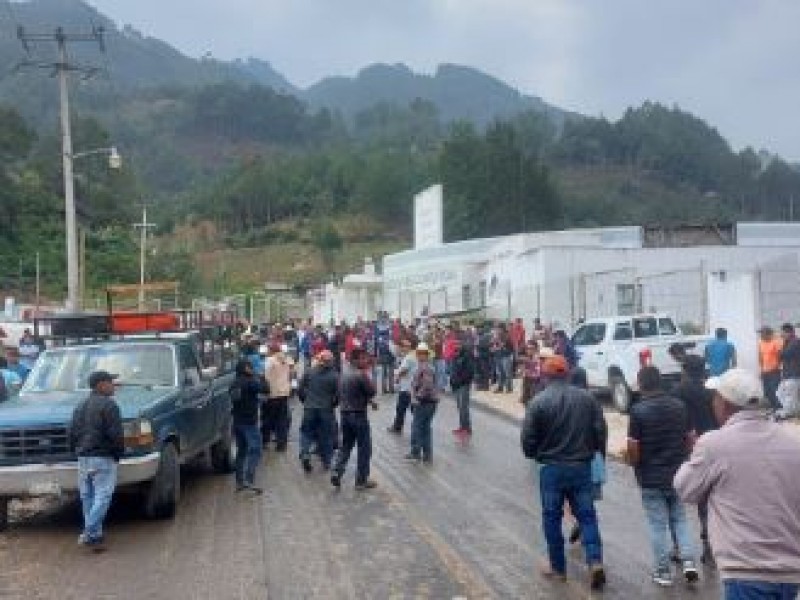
163	493
4	508
223	452
621	395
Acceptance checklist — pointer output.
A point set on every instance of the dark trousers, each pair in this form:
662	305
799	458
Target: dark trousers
421	436
355	432
574	484
275	419
317	426
484	371
248	452
403	402
738	589
387	377
771	382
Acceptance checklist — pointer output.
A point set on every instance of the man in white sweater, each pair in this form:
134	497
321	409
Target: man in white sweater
749	470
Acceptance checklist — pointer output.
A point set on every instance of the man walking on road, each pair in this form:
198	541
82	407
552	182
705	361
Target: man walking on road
425	398
96	436
748	471
275	410
319	392
462	372
245	399
659	436
357	393
403	378
692	391
563	428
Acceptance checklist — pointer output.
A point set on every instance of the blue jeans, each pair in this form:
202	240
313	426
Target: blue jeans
355	431
665	512
97	477
574	484
739	589
317	425
403	402
421	437
505	373
462	401
248	452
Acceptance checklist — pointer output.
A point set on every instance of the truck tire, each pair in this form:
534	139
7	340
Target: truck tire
4	508
223	452
164	492
621	395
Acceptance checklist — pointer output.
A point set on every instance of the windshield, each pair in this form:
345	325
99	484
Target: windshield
68	369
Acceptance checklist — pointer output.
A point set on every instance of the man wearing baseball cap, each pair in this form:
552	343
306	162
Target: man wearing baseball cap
97	438
748	470
563	428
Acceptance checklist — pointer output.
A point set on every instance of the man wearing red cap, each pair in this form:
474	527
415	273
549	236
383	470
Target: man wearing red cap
564	426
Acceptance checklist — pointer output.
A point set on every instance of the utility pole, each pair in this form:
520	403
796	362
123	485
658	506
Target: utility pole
61	68
143	227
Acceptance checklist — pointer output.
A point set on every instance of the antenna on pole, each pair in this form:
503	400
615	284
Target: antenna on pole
143	226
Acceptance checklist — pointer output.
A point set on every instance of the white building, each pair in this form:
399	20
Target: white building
564	276
358	296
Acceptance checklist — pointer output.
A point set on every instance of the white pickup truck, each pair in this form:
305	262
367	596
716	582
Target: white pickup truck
613	349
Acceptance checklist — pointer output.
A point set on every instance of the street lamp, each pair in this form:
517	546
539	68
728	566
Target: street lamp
114	162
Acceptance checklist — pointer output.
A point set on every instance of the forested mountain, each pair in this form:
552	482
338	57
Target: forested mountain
232	156
459	93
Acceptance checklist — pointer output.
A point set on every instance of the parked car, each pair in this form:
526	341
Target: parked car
174	408
613	349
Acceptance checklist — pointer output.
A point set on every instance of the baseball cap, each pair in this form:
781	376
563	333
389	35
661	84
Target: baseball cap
423	347
738	387
555	366
546	352
100	376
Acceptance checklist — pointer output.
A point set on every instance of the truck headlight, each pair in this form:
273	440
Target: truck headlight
138	433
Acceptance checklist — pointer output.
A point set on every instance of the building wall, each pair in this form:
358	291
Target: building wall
562	277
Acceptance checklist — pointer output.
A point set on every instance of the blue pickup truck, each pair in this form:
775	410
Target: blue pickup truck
175	407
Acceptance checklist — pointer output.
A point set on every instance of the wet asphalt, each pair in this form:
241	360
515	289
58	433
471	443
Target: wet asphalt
467	526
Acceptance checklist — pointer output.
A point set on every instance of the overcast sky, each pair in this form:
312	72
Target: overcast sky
735	63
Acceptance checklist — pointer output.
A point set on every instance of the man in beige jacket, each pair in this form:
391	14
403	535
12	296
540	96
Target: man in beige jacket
275	410
749	470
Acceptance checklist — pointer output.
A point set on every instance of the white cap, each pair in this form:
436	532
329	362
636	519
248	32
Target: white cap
423	347
739	387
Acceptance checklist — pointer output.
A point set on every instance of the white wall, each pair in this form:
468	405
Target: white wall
732	305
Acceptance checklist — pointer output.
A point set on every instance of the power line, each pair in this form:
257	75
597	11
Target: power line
61	68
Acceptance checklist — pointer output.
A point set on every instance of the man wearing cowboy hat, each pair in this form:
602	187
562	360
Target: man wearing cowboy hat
319	393
748	470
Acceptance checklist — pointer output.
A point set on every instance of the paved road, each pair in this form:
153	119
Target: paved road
466	527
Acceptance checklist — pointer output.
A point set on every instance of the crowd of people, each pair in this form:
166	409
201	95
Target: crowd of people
713	440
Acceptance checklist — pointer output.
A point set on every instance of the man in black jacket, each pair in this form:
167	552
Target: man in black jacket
564	426
462	372
319	392
96	437
245	399
357	393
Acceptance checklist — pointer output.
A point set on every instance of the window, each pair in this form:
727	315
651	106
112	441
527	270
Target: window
590	335
666	327
629	299
466	297
190	369
623	331
644	328
482	293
